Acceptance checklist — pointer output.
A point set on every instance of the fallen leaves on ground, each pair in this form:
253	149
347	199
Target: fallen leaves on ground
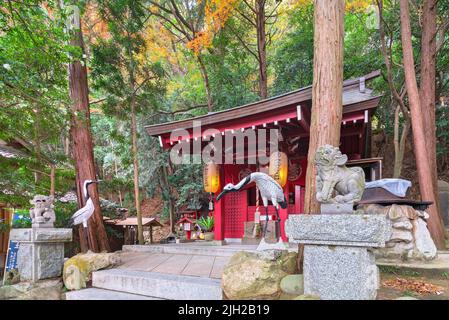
418	286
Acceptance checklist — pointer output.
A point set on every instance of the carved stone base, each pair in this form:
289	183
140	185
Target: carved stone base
338	259
340	273
41	252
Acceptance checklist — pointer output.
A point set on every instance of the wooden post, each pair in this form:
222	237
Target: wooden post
283	214
151	234
219	212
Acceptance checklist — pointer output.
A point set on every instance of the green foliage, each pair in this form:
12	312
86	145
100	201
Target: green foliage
206	223
63	212
4	227
141	57
23	222
442	124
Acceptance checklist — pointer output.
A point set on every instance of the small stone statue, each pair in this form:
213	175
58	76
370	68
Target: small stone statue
42	214
337	185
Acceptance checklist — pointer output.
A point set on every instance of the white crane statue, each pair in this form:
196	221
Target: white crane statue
83	215
269	190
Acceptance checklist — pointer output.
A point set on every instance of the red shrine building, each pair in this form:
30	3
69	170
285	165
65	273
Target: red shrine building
290	114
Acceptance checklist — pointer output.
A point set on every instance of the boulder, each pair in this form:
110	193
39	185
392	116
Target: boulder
293	284
78	269
251	275
399	235
396	212
405	224
40	290
410	238
424	246
396	250
9	292
373	208
44	290
307	297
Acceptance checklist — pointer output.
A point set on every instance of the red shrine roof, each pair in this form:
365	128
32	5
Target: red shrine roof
358	104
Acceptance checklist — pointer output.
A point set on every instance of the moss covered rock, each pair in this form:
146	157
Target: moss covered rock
293	284
307	297
254	276
78	269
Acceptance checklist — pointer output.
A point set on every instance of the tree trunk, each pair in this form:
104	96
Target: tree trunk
136	171
210	103
261	48
427	85
171	204
399	142
327	87
82	147
423	166
120	198
52	179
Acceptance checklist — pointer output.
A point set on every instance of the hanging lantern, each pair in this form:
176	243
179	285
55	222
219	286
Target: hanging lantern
211	177
278	169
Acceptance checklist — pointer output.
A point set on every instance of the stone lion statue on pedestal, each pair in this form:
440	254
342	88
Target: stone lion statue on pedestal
335	182
42	213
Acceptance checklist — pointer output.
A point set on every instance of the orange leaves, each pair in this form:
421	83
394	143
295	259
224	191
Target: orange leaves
202	40
358	5
216	13
417	286
350	5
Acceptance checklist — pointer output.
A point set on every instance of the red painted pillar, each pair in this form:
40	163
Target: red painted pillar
219	210
283	214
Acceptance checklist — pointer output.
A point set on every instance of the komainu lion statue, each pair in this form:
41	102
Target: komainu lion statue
42	213
333	175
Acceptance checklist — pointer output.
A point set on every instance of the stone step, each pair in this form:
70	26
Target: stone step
159	285
434	269
102	294
207	250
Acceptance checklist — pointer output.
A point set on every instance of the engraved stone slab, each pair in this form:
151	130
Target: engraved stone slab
341	229
340	273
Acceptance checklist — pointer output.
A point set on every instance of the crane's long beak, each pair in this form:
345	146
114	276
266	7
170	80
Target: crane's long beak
221	194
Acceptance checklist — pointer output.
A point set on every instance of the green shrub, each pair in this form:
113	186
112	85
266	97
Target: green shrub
206	223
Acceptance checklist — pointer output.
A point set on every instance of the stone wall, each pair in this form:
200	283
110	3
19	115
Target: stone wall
410	238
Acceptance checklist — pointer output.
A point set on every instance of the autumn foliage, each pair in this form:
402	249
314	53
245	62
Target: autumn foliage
216	13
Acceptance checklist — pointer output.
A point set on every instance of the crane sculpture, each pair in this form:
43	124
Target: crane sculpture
83	215
269	190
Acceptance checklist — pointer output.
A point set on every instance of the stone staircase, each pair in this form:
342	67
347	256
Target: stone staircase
124	283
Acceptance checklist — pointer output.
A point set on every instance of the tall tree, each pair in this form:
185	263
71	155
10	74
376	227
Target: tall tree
427	84
327	87
260	16
424	167
122	72
185	21
398	95
80	134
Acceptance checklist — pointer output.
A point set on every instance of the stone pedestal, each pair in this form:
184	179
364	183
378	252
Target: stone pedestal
338	261
41	252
